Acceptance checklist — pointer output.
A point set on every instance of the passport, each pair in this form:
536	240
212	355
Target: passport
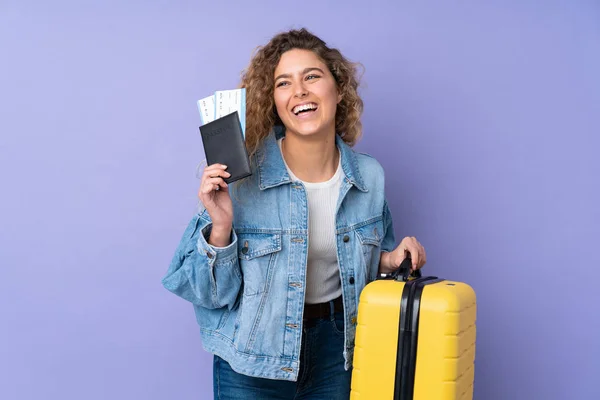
224	143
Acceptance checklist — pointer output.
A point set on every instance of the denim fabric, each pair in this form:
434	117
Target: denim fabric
322	374
248	297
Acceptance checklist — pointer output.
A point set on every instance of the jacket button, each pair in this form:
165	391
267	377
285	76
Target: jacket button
245	250
209	255
351	280
346	238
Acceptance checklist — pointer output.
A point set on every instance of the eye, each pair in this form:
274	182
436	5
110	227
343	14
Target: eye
312	76
281	83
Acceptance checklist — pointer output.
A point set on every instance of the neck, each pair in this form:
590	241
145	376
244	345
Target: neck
311	159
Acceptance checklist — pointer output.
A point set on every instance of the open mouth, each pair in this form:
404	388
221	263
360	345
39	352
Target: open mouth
305	109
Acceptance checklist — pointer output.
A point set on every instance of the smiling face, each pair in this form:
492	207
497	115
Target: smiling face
305	94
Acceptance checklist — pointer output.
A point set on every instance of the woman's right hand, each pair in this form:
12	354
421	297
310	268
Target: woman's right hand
214	195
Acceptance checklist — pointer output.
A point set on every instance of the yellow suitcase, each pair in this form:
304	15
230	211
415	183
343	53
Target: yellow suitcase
415	339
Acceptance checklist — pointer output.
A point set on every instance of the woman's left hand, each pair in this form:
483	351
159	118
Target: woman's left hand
392	260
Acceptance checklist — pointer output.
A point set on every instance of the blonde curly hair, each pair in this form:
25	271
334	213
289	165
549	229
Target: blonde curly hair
258	79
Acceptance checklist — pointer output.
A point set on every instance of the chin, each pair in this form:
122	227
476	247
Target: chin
308	130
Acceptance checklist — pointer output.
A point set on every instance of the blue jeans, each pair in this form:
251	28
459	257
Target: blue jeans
321	375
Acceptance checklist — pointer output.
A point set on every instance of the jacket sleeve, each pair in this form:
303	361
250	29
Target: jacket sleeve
388	243
205	275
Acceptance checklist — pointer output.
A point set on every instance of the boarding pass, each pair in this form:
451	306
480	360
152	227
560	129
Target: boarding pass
222	103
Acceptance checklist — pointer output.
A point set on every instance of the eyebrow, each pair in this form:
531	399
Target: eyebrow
306	70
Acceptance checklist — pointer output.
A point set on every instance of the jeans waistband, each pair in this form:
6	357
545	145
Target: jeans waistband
323	310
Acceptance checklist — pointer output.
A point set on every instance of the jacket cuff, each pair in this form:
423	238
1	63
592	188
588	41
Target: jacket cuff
217	255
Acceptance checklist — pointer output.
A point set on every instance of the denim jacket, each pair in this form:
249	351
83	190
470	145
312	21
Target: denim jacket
248	297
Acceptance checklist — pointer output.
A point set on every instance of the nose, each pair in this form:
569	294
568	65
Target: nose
300	90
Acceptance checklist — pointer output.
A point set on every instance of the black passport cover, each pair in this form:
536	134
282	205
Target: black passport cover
223	143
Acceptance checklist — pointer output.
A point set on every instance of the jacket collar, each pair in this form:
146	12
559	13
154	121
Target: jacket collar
272	171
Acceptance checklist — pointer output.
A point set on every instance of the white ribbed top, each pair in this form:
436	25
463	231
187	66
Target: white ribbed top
322	275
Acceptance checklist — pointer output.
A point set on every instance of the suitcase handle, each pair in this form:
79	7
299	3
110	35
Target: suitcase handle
404	268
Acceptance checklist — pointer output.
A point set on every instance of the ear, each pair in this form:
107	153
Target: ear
339	97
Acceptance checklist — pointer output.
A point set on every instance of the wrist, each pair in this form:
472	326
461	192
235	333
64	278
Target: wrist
384	263
220	236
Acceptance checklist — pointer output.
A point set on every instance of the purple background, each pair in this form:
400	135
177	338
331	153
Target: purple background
485	117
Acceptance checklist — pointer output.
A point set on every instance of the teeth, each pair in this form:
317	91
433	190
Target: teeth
304	107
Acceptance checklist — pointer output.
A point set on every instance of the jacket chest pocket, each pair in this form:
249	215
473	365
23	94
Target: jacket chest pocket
258	254
371	236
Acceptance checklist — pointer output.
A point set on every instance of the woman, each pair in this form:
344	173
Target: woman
275	264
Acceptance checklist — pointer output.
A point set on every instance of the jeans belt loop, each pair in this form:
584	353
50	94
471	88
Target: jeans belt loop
331	310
